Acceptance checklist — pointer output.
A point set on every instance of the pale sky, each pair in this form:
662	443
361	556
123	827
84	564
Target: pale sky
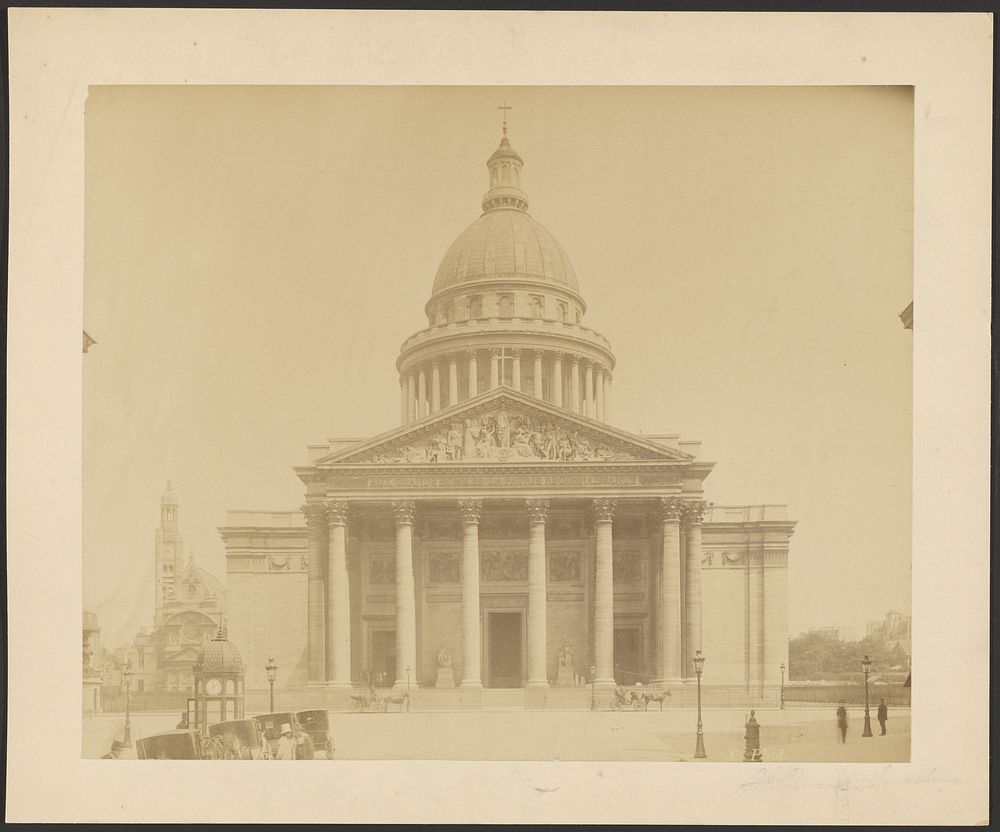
256	255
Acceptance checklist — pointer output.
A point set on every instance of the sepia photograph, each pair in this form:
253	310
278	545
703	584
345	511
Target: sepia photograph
529	417
498	423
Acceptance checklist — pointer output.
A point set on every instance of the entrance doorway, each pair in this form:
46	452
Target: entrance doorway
505	649
628	655
382	661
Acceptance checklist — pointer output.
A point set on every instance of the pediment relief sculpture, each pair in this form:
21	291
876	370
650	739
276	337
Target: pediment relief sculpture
502	437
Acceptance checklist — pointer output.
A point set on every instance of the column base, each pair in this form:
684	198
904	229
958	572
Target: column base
312	685
340	686
471	685
672	682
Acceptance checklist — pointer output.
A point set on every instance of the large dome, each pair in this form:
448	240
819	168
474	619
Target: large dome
505	244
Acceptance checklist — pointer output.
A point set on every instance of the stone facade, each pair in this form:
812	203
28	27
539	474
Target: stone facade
507	525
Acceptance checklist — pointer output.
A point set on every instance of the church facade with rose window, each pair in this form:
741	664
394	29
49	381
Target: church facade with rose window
506	534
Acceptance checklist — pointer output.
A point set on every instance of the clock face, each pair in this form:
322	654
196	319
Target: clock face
213	687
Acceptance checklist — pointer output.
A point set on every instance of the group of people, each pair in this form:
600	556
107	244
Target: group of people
882	715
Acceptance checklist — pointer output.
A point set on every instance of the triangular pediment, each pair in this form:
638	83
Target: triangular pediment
503	425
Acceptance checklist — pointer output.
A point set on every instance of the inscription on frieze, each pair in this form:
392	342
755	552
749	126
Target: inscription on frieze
564	566
503	566
506	480
444	568
382	569
626	566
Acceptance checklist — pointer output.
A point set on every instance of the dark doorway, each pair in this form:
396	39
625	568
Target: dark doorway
628	655
505	649
383	658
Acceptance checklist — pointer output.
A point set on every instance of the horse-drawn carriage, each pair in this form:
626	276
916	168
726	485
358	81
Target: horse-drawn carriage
172	745
239	739
371	700
317	725
637	697
270	726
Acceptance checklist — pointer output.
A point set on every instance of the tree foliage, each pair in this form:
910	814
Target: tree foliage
813	656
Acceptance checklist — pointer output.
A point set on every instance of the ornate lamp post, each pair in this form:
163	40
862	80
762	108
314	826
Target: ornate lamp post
866	665
272	673
408	669
127	682
699	666
593	677
782	668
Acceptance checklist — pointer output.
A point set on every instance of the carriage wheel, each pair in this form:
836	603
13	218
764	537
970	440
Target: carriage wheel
329	749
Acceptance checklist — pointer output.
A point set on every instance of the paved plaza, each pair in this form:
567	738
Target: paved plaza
793	735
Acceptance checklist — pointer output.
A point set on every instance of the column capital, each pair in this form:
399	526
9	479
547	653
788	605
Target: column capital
336	512
515	351
694	510
575	359
558	355
604	509
472	352
538	510
670	508
315	514
495	352
452	358
470	510
403	510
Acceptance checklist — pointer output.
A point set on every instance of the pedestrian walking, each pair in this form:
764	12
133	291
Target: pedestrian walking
752	754
883	715
286	745
842	722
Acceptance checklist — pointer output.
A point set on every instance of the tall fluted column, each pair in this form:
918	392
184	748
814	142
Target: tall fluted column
669	618
473	373
692	582
599	391
516	368
472	676
406	616
588	391
315	601
404	406
421	393
338	598
557	378
411	396
452	380
494	368
604	593
435	387
538	374
607	396
574	385
538	511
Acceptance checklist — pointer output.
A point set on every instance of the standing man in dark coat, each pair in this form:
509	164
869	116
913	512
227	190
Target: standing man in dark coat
842	722
883	715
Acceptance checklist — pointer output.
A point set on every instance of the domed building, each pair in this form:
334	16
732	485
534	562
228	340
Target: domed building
506	534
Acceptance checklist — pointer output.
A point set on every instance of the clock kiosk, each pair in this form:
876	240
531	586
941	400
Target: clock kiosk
218	684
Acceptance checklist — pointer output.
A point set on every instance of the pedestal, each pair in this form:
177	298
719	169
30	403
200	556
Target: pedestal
566	677
445	678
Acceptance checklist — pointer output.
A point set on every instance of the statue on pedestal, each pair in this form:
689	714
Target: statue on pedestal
445	675
567	676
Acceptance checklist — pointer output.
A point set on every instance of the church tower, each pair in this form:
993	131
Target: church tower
169	553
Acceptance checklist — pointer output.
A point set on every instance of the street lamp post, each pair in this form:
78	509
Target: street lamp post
272	673
408	669
782	668
866	665
127	681
699	666
593	679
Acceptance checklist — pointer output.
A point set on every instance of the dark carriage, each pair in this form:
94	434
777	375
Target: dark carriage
270	727
316	724
240	739
171	745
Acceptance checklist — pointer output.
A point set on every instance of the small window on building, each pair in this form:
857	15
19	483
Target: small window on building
475	307
506	306
562	311
537	306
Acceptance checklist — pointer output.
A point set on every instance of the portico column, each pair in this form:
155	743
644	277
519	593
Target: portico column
538	374
404	408
473	373
472	676
607	396
421	393
406	619
435	387
494	368
338	598
692	582
537	626
588	392
604	593
599	391
574	385
315	601
411	396
516	368
669	667
452	380
557	375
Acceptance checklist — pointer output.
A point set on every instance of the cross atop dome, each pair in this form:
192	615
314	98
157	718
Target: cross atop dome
504	109
505	174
